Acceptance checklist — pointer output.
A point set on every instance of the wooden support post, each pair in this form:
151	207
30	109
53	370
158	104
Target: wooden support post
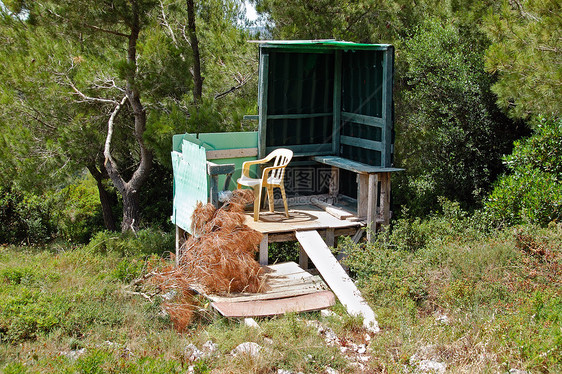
334	185
180	234
362	194
385	198
264	254
303	258
372	206
330	239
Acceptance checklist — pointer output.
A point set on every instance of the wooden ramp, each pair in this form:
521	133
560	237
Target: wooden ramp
291	289
336	277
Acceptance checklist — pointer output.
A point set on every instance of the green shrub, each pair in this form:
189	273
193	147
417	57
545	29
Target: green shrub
532	192
78	211
143	242
25	218
450	134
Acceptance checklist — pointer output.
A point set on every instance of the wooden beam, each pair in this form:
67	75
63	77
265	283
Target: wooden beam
264	308
363	119
372	206
354	166
299	116
362	143
336	127
180	235
264	254
334	188
362	194
262	102
387	83
306	149
303	258
330	238
329	208
336	278
232	153
385	198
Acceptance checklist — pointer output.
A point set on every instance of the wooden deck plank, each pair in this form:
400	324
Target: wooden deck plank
279	288
286	269
332	210
264	308
284	280
305	217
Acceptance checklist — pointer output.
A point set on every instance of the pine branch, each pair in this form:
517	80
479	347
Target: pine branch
89	98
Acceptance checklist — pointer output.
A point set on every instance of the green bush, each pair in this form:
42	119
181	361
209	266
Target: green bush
25	218
78	211
532	192
143	242
450	135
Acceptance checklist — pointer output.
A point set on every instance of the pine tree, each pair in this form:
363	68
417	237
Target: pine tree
526	53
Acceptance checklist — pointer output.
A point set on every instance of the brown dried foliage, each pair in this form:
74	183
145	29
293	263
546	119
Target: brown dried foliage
218	258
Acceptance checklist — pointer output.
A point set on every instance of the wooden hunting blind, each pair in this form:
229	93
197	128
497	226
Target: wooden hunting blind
330	102
327	98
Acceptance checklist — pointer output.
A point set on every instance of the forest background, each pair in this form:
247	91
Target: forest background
92	92
468	277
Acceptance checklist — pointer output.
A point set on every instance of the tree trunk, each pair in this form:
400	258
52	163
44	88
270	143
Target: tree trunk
129	190
105	199
197	79
131	211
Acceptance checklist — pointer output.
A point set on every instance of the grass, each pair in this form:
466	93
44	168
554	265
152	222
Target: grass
441	291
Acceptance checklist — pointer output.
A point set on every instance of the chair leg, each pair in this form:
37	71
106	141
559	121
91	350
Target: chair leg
284	200
257	201
270	199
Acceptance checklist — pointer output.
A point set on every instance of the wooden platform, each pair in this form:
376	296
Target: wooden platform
291	289
305	217
275	227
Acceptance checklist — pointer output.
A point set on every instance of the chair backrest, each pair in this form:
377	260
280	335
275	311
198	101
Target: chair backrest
280	157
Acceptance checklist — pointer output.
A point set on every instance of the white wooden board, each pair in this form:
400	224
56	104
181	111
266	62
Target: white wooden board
336	278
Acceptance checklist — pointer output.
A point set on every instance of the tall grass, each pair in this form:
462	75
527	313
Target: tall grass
442	290
477	302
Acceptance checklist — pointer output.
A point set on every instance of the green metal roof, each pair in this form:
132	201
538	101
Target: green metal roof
320	44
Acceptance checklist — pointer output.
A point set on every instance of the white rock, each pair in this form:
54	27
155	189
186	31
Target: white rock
517	371
330	335
283	371
209	347
430	366
74	354
361	349
247	348
251	323
442	318
367	337
192	352
364	358
329	370
327	313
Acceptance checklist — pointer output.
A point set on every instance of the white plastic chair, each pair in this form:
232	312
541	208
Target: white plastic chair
272	176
